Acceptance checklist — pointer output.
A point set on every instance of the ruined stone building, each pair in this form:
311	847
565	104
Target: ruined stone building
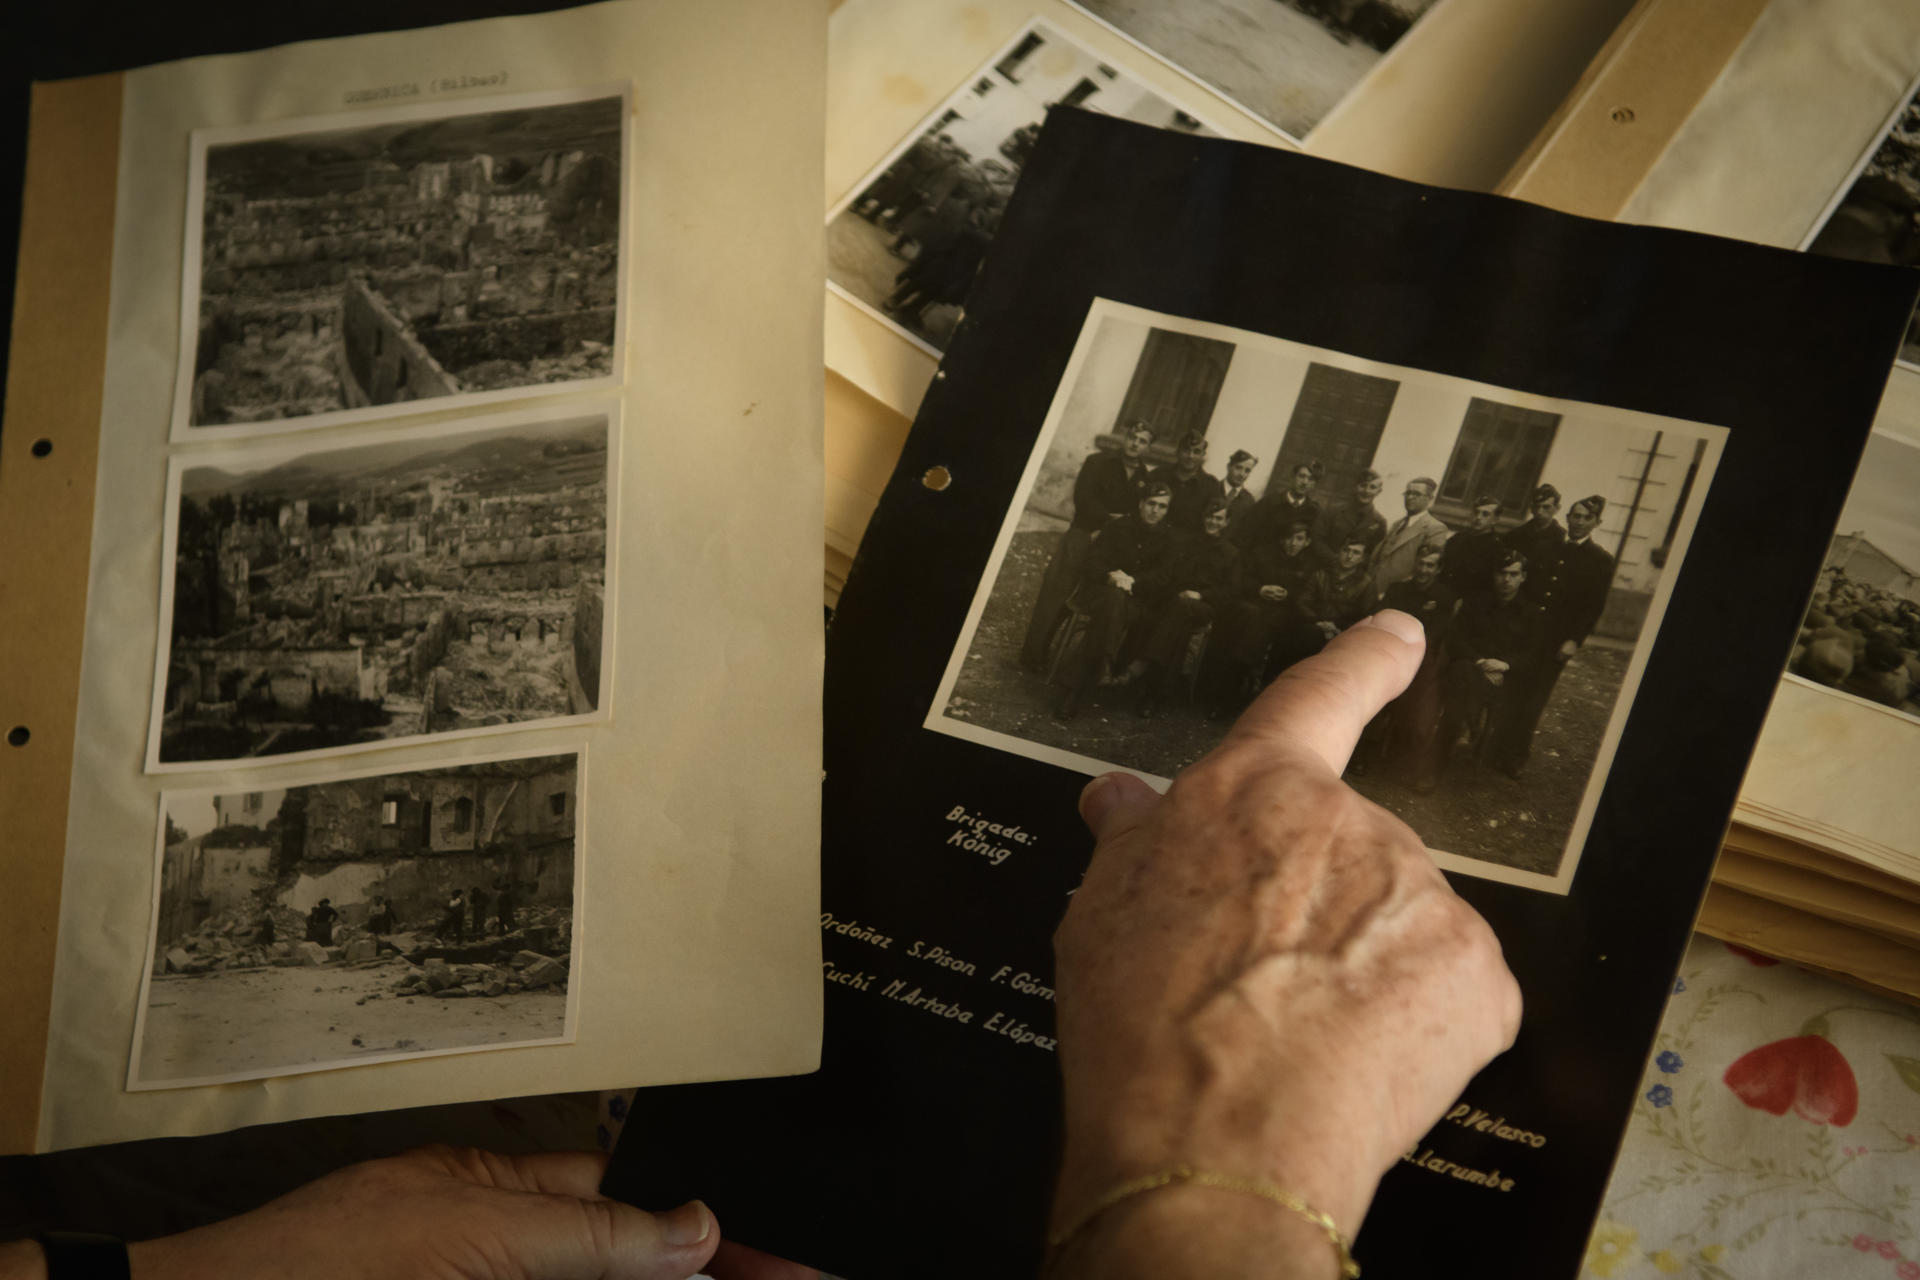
395	282
410	837
338	617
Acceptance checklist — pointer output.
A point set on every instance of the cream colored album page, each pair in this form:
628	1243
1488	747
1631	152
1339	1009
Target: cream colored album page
474	596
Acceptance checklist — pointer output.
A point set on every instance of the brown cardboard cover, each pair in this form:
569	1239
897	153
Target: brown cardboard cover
46	524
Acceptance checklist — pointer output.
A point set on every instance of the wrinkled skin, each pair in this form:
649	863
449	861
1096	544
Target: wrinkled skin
1263	974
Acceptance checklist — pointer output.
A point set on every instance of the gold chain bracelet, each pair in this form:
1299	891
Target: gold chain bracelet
1180	1173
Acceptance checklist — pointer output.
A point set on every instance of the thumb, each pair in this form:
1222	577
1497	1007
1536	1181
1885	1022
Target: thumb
1115	802
636	1245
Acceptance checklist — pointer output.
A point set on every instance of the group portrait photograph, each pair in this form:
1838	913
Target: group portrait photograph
1206	508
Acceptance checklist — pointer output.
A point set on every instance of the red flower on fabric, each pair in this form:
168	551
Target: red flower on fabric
1805	1073
1751	957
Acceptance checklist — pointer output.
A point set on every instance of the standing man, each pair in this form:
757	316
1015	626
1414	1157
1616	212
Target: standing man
1472	553
1192	488
320	922
504	903
1572	593
1496	636
1409	537
1240	503
1107	489
477	899
1126	579
1539	539
1280	510
380	919
453	921
1356	519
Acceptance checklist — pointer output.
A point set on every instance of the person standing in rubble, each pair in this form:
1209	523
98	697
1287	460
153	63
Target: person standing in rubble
320	922
380	919
478	897
453	923
504	904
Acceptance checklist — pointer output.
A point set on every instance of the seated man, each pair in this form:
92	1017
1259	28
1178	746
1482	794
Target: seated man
1107	489
1495	638
1126	578
1406	733
1274	571
1200	580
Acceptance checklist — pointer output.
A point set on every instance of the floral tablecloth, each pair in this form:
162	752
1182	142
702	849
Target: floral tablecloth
1777	1132
1776	1135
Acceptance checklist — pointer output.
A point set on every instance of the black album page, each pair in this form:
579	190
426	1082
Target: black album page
1352	388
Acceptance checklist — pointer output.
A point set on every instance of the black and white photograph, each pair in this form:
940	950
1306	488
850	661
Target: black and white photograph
1206	506
1287	63
361	919
344	268
906	243
435	582
1875	217
1861	635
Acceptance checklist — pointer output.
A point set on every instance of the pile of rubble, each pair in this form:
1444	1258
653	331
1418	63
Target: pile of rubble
231	940
527	971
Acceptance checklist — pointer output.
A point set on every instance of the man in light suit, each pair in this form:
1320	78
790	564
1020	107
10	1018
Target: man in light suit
1394	559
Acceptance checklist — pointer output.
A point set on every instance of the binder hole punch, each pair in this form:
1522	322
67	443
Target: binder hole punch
1623	115
41	448
937	478
17	736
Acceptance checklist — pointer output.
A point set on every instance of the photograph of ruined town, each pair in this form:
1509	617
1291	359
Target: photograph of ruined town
1861	635
1288	62
397	260
1208	506
907	243
364	919
410	584
1877	219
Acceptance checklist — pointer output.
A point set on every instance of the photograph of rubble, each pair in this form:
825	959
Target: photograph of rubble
339	268
433	582
361	919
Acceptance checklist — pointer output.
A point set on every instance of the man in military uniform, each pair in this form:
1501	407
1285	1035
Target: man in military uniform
1569	589
1472	553
1125	579
1538	538
1200	580
1407	731
1281	509
1107	489
1192	488
1495	638
1240	503
1356	518
1275	569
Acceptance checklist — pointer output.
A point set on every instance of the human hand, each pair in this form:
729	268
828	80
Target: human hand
1273	592
444	1213
1492	666
1121	579
1263	974
1189	595
1568	648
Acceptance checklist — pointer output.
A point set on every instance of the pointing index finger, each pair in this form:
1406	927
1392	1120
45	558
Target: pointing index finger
1323	702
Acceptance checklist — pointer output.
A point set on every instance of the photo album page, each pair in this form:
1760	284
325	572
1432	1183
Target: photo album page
449	711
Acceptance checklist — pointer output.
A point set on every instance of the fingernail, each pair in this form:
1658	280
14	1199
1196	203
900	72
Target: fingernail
1088	792
687	1225
1402	626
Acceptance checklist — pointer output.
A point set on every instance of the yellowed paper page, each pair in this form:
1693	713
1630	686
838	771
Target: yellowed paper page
1784	127
695	944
